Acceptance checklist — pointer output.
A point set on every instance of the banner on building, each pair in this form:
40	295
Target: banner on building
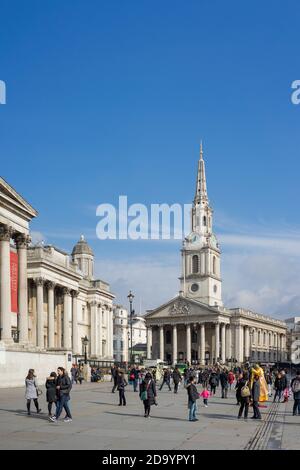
14	281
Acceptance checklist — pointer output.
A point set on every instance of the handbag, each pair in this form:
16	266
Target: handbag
144	395
39	392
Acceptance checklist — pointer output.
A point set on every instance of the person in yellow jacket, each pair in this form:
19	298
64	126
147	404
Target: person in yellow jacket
257	370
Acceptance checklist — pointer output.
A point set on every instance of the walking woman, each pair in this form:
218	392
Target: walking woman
148	393
32	391
244	393
51	391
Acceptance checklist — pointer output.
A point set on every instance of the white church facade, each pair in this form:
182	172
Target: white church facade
195	326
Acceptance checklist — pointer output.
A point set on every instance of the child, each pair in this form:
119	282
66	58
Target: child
286	394
205	394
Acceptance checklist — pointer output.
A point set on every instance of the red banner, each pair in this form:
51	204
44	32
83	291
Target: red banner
14	281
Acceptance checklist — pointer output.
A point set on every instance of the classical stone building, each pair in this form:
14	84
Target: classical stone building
49	300
293	339
195	326
121	333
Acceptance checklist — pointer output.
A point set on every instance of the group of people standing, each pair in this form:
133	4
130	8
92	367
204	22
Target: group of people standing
58	387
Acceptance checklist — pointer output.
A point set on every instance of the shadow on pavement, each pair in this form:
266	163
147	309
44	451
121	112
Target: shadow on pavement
23	413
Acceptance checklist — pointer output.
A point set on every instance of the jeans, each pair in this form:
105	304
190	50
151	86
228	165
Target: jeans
165	382
122	399
63	403
224	392
256	410
244	406
192	410
205	401
278	393
296	405
135	384
176	387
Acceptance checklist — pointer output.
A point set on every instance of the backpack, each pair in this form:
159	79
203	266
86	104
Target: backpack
245	391
296	386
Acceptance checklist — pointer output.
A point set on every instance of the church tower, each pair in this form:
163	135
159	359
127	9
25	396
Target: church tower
201	255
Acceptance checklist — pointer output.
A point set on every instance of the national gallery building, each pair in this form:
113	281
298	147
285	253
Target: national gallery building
195	326
49	300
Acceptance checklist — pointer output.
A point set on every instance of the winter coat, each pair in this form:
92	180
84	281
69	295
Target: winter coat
149	385
214	380
31	389
224	380
230	377
296	394
280	383
192	391
255	391
176	377
122	383
51	389
64	382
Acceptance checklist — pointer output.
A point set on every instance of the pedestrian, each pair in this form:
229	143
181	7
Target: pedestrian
295	386
238	389
134	377
176	379
121	384
80	374
269	380
32	391
63	389
244	395
255	393
224	383
148	393
51	391
213	382
193	396
205	394
231	378
74	373
166	379
279	387
115	375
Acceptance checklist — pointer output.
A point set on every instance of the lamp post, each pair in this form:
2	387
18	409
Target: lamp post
130	297
85	342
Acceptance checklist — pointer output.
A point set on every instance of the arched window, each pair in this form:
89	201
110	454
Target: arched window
214	265
195	263
204	221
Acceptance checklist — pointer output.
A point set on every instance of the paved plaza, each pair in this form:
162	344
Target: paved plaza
99	423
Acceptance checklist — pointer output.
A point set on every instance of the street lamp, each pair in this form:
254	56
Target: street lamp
130	297
85	342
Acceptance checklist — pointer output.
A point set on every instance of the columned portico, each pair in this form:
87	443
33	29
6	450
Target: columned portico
66	318
93	344
22	242
149	342
40	311
202	343
217	341
188	343
75	347
223	342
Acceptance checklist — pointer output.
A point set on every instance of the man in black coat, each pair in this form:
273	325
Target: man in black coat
255	397
115	374
224	383
176	379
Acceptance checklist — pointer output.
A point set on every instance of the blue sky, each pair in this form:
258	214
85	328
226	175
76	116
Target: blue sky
110	98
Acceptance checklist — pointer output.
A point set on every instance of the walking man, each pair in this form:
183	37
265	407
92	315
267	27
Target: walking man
255	397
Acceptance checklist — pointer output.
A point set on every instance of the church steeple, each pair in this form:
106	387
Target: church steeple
201	189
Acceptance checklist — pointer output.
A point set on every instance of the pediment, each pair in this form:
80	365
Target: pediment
12	200
179	307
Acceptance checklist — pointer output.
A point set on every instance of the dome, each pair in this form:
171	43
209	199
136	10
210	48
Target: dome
82	248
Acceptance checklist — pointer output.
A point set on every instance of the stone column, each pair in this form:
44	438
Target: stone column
5	298
175	352
111	332
149	342
22	242
40	312
239	343
51	328
188	343
228	342
223	342
66	318
93	344
75	347
247	342
100	349
161	343
217	340
202	343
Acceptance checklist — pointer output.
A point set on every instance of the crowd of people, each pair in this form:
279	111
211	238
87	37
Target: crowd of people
252	385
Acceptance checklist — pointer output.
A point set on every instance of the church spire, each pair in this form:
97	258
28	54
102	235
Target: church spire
201	190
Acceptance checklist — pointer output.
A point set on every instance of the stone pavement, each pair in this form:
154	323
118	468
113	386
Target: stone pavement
99	423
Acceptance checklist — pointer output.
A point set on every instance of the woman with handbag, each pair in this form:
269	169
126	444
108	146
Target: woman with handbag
148	393
51	391
244	393
32	391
